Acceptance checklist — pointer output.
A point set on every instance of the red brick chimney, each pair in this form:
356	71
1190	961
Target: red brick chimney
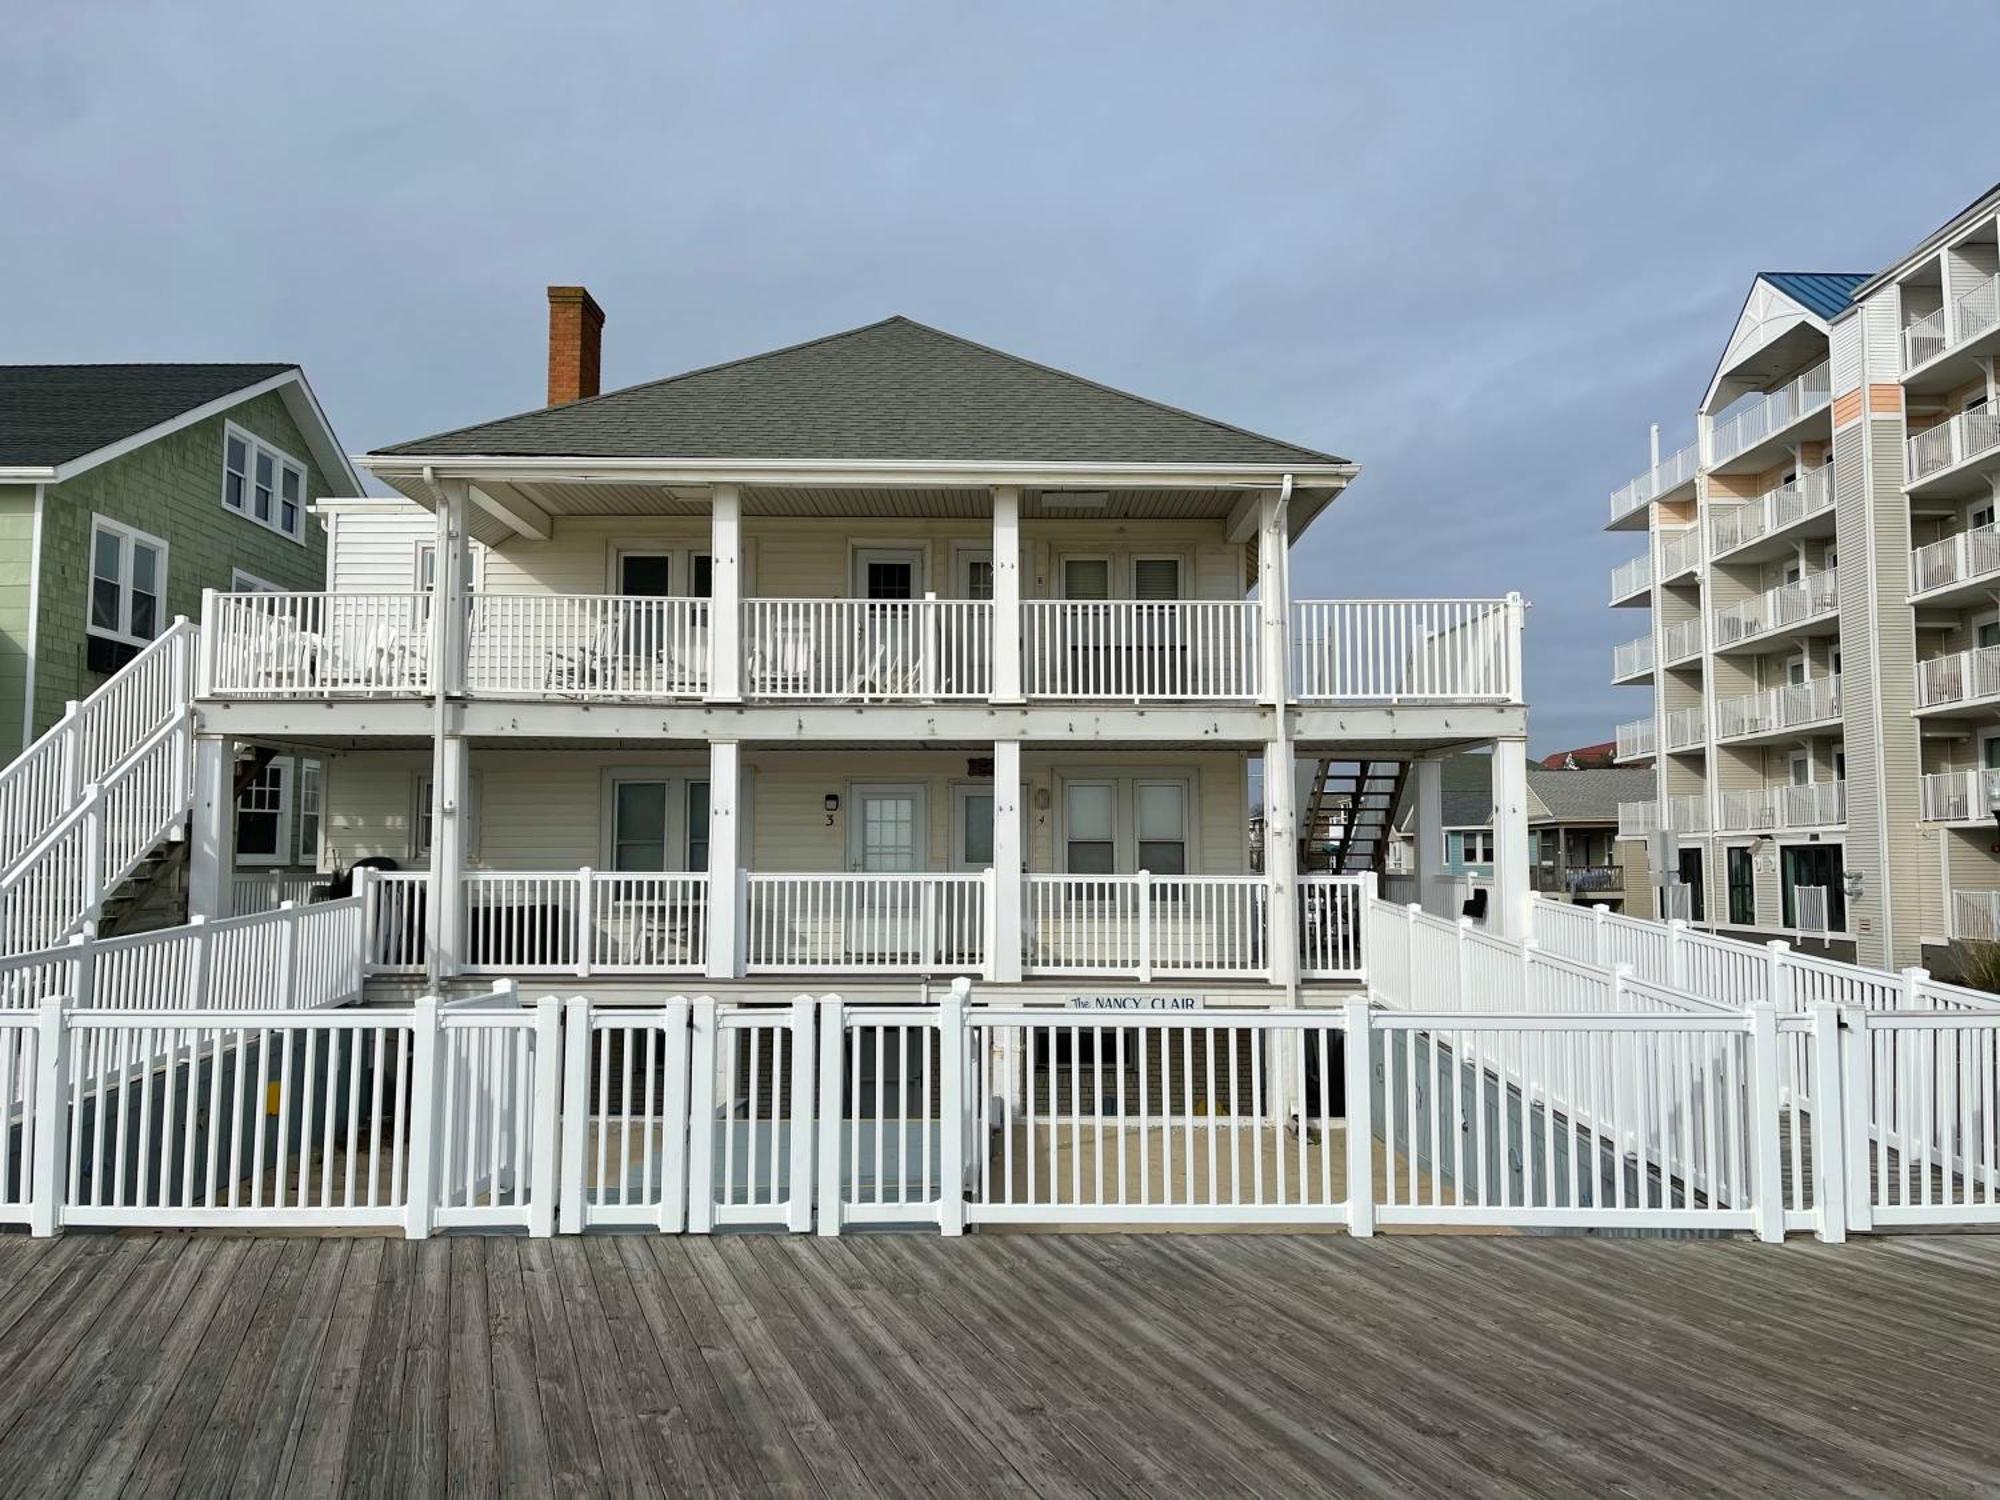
576	334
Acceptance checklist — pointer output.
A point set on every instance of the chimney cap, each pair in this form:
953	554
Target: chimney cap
576	294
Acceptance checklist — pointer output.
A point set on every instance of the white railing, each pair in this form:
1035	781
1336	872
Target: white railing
625	1116
1960	796
395	902
1809	908
1821	804
1923	339
1975	916
1330	926
1637	819
1956	440
1787	707
1956	559
1977	310
1773	511
1673	471
1687	813
1124	648
926	923
1960	677
1771	414
587	646
895	1143
1685	728
263	645
1776	609
94	737
1148	926
1635	739
1407	650
1921	1141
1632	658
1632	576
270	889
862	650
1680	641
752	1119
579	922
1680	551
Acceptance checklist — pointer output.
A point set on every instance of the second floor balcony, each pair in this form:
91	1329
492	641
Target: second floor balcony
1968	796
1807	607
1959	680
1780	711
1682	813
1955	456
1635	740
610	648
1686	728
1818	804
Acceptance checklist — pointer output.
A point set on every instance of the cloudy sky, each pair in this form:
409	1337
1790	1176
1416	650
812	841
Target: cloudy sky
1476	248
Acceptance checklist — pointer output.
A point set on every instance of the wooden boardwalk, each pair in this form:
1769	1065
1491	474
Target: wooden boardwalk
997	1364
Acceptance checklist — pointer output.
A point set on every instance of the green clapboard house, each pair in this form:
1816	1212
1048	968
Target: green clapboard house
125	490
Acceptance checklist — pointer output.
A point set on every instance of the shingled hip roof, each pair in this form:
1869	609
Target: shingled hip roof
893	391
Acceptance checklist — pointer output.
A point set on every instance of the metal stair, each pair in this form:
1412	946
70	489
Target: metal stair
94	802
1349	815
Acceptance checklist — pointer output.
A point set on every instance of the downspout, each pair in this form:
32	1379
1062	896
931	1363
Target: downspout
1281	662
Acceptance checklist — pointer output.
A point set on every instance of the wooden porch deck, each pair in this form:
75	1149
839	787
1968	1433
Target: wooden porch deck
1063	1365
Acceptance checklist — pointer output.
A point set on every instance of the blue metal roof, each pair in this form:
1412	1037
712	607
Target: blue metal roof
1824	293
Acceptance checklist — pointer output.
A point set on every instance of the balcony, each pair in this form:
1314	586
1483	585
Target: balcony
1772	517
1633	660
1771	417
1635	740
1957	569
1820	804
1577	880
1953	457
1684	814
1782	711
1975	916
1632	579
1961	680
1685	729
1680	552
1680	642
1969	796
612	648
1808	607
1628	505
1636	820
1956	331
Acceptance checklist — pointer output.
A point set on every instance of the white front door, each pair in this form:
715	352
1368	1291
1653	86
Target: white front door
885	830
971	827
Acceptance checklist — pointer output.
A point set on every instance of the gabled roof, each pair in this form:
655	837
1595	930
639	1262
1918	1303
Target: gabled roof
50	414
1825	294
892	391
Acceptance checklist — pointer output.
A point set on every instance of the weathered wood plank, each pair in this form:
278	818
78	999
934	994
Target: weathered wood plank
370	1468
425	1424
575	1467
315	1462
471	1435
520	1441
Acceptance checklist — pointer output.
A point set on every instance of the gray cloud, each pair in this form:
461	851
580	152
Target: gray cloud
1476	248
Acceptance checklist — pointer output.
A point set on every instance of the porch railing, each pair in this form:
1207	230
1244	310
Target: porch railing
1680	641
587	646
1144	925
1189	649
1635	739
867	649
1680	551
1630	658
865	923
1975	916
1777	708
1959	677
270	889
316	645
1776	609
1961	796
1924	339
1954	441
1772	511
1955	559
1772	414
1821	804
1685	728
1396	649
1632	576
1673	471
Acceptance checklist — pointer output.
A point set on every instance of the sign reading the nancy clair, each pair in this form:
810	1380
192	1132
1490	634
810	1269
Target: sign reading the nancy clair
1134	1002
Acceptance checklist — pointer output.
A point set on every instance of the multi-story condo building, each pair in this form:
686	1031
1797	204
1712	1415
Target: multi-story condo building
885	656
1819	592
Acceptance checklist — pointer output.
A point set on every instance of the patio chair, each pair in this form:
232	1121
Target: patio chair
587	668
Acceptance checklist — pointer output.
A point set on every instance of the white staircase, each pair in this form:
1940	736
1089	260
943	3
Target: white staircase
89	802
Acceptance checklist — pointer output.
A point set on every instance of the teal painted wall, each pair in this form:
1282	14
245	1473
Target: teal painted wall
173	489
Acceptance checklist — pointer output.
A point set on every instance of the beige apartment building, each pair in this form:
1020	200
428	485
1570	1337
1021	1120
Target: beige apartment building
1820	581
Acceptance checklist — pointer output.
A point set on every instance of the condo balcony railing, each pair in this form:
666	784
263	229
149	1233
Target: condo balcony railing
1819	804
1952	442
1968	796
1772	414
1683	814
1961	677
1576	880
1679	641
1638	819
1631	576
1632	658
1956	559
1780	608
1975	916
622	648
1680	551
1771	512
1972	313
1687	813
1792	706
1635	739
1685	728
1672	472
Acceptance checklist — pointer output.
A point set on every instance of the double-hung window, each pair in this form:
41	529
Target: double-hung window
1090	827
644	825
1125	824
128	582
262	483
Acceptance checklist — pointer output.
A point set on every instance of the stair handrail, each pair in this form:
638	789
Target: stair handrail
90	805
69	735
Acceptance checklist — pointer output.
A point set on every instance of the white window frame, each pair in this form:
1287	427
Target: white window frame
128	536
286	770
678	833
280	461
420	810
1110	574
308	776
1485	834
1183	573
241	582
1124	782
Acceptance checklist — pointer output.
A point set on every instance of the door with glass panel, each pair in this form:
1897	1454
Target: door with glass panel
886	838
966	647
641	643
645	919
887	653
971	854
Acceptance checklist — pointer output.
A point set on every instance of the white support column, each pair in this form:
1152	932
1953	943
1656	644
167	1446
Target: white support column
1510	838
1281	863
725	857
444	906
452	584
212	836
1274	591
725	603
1008	863
1006	594
1429	862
